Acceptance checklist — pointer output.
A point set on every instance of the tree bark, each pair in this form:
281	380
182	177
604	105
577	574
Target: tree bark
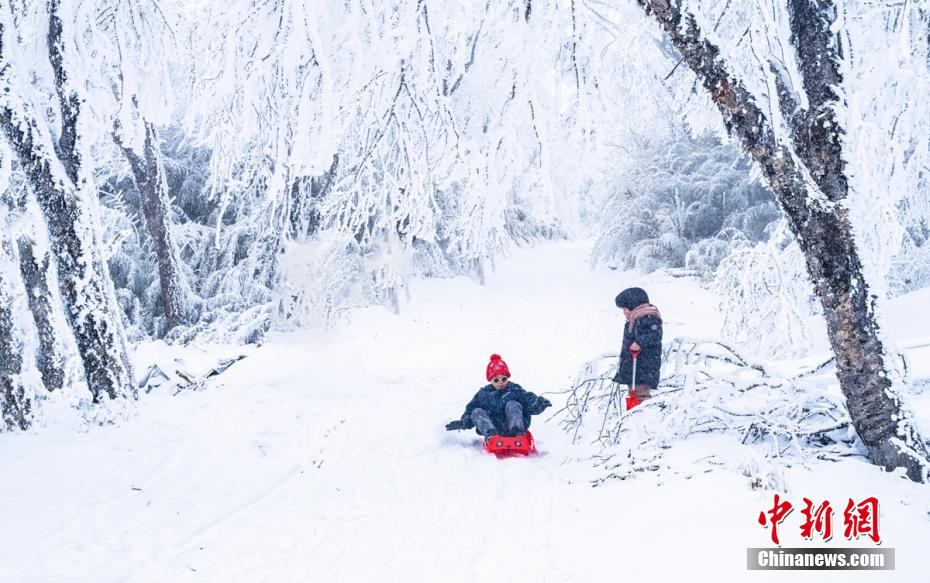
34	272
15	397
808	177
69	103
83	280
153	192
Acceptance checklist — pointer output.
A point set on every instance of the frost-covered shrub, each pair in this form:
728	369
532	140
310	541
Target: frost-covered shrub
668	249
705	255
910	268
130	259
683	202
766	299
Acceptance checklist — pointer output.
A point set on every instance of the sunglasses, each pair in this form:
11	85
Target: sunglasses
498	379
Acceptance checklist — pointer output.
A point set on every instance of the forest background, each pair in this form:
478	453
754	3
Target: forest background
205	172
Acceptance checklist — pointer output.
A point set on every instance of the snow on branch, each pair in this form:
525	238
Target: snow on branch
710	388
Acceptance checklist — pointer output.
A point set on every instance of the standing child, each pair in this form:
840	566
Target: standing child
643	333
502	407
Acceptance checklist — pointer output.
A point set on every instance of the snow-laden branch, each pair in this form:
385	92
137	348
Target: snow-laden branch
709	387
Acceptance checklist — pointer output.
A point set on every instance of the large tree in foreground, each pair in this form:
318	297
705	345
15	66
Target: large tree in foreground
798	144
61	185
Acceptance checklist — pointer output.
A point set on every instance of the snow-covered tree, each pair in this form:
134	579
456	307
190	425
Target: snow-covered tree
791	122
60	181
425	135
17	386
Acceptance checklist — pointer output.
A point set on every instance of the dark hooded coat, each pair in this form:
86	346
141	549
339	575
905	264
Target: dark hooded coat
647	332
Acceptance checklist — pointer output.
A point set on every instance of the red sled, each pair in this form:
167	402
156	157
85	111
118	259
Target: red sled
503	446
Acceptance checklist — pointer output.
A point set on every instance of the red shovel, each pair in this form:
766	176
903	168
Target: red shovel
631	399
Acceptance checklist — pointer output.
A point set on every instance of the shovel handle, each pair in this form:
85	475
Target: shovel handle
635	352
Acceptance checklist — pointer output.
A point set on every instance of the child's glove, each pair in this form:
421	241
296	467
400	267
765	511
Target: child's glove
455	425
539	405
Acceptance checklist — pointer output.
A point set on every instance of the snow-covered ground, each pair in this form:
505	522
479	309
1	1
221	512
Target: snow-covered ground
322	457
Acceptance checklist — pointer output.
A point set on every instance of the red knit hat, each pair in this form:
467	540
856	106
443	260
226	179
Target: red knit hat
497	367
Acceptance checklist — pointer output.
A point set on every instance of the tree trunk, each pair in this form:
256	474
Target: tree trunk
34	272
153	192
16	399
809	180
69	103
82	274
83	280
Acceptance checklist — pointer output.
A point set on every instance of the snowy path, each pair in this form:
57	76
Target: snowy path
323	458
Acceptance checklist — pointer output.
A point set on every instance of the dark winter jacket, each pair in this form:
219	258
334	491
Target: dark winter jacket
493	401
647	332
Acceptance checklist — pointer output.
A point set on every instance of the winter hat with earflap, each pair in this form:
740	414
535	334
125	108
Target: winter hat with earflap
497	367
631	298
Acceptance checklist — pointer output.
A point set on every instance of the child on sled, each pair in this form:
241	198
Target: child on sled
502	407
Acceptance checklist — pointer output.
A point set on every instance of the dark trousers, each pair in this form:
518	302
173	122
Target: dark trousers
513	413
642	392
